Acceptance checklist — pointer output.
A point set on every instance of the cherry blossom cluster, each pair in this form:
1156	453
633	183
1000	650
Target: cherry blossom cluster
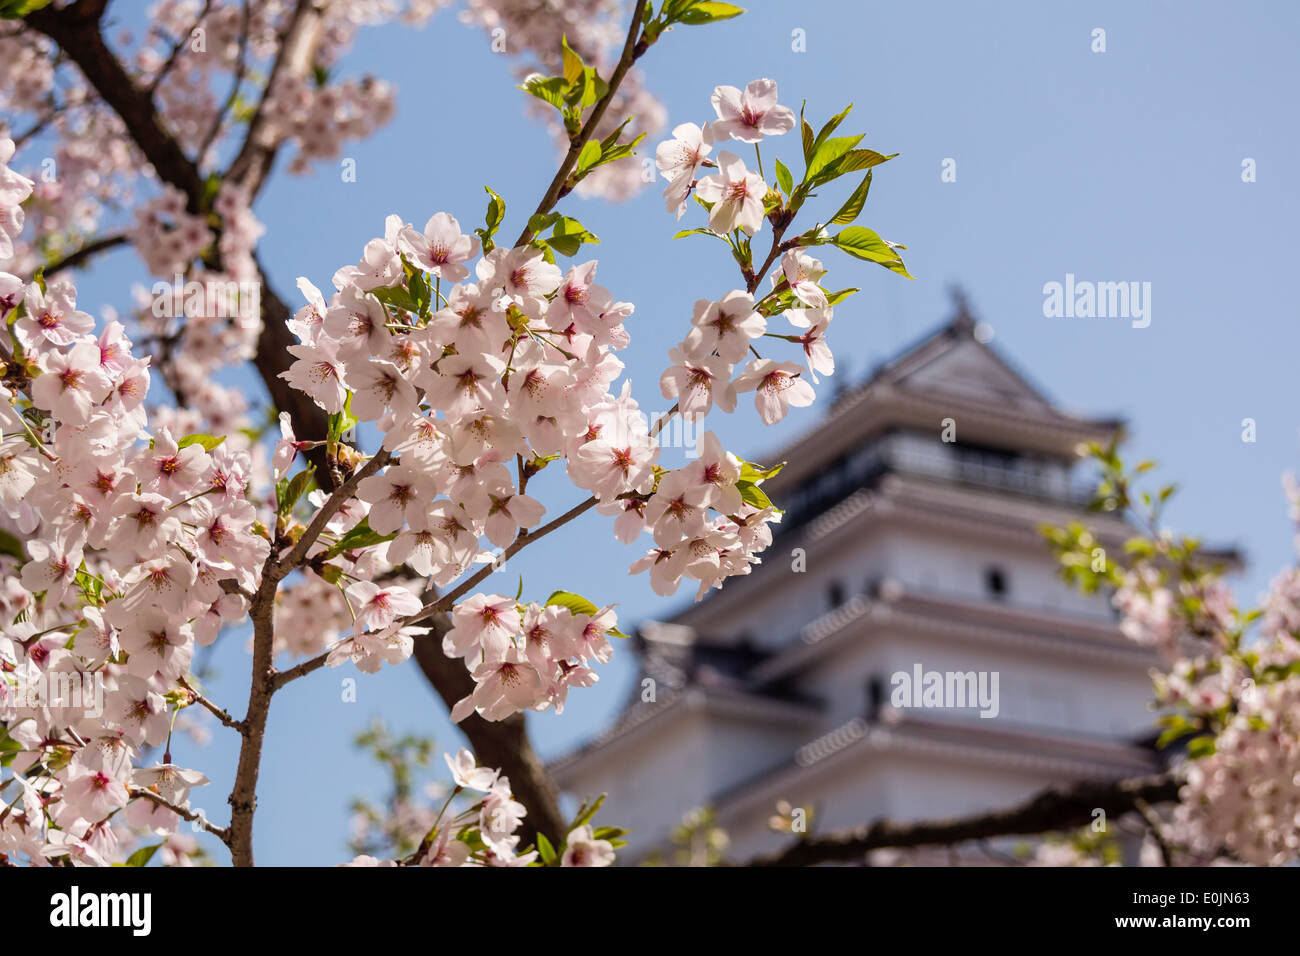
1231	699
1244	798
319	120
194	52
516	366
138	547
524	657
484	833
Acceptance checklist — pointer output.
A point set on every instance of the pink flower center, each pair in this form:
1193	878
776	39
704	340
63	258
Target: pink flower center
737	190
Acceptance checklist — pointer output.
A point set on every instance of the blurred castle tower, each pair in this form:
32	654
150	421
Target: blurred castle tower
899	552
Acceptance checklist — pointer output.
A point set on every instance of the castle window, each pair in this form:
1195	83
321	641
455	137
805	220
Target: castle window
995	583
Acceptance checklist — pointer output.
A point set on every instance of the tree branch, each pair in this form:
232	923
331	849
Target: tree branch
212	708
188	815
298	44
632	51
243	795
1056	808
177	46
80	256
76	30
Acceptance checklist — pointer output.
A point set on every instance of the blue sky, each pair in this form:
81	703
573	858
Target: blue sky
1116	166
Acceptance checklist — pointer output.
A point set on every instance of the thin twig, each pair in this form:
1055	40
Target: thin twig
178	46
212	708
78	257
221	833
241	71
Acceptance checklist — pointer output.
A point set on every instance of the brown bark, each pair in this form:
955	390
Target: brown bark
76	30
1056	808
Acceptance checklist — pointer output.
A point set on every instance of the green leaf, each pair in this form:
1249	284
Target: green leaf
11	546
549	89
834	298
1176	726
587	811
541	221
17	9
1202	746
756	473
398	298
808	138
854	160
588	158
753	495
863	243
853	205
576	603
573	65
496	212
142	856
608	150
545	850
421	294
360	536
208	442
708	11
9	748
702	231
569	235
831	126
826	153
783	178
289	490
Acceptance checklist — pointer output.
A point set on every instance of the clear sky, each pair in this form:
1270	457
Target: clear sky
1123	165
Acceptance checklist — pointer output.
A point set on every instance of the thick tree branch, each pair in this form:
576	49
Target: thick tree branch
76	30
243	795
298	44
1056	808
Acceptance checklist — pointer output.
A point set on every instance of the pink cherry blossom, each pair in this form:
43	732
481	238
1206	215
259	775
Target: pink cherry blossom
751	115
777	385
736	194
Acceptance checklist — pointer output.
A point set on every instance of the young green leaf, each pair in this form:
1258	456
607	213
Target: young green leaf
783	178
863	243
360	536
496	213
576	603
852	207
141	856
708	11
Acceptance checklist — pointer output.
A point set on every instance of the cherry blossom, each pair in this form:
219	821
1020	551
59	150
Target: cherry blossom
736	194
751	115
777	386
